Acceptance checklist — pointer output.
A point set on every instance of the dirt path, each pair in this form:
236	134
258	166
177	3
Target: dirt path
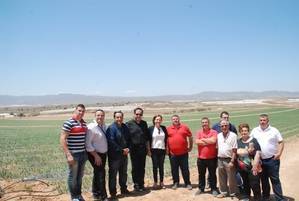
288	174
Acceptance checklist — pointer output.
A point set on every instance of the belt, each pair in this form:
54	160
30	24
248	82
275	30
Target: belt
267	159
224	158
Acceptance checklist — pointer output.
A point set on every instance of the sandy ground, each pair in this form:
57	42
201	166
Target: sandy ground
40	191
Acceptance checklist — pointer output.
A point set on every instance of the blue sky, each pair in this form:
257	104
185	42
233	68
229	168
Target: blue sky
133	48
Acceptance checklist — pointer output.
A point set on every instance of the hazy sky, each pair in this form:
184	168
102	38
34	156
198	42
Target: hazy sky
148	47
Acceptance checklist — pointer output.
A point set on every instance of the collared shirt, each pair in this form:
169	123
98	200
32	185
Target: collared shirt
96	138
77	133
118	137
268	140
177	139
208	151
226	144
138	132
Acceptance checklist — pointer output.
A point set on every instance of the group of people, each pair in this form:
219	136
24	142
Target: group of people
242	162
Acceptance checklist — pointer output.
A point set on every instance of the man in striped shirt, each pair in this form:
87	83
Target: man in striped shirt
72	140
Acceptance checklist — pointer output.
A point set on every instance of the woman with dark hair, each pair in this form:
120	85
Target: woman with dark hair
158	143
248	158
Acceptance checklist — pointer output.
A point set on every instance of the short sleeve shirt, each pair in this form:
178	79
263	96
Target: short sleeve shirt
77	133
177	139
268	140
207	151
226	144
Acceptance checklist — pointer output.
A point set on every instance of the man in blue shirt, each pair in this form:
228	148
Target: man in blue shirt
224	116
118	149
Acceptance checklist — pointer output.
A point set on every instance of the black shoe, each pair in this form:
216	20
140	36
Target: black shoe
175	186
138	188
141	189
125	192
113	196
266	198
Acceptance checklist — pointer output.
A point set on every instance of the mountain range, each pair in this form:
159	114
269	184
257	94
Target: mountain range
63	99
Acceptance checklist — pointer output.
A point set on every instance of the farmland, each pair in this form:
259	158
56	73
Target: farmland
30	148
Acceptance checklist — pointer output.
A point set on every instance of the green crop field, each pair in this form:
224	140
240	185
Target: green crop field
30	148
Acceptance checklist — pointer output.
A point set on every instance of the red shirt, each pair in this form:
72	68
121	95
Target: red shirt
177	139
207	151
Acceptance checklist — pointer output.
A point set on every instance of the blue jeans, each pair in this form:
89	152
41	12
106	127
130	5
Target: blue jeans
271	170
181	162
75	174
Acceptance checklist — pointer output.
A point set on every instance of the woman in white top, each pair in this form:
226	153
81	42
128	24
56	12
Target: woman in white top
158	143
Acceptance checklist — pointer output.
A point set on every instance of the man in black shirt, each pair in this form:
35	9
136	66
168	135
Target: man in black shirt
139	147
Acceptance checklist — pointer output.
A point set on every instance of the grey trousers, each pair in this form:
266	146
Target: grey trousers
227	177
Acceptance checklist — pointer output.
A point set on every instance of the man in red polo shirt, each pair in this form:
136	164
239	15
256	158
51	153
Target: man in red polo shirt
206	140
180	143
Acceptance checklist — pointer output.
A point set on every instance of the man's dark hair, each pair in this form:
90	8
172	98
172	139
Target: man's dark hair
100	110
138	108
80	105
223	112
119	111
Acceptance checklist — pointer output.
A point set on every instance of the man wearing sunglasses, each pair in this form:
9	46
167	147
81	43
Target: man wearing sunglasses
139	148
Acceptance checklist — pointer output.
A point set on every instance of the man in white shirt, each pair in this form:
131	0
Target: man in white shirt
227	149
272	145
96	146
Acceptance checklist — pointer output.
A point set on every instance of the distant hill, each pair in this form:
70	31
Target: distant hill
64	99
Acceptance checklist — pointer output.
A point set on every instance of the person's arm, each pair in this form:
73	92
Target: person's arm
190	143
127	135
63	143
166	140
90	149
242	151
210	140
234	151
280	150
200	142
148	148
234	157
256	162
148	138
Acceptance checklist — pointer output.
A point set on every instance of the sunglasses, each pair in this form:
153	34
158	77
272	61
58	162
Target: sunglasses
224	125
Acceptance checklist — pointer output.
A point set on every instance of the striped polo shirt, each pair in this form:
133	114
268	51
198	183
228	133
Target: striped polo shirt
77	133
